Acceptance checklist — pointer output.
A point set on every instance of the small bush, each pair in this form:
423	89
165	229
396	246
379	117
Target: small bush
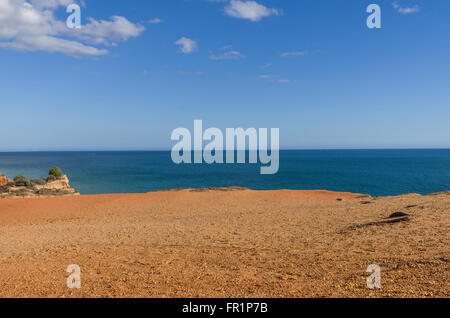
45	192
21	192
22	181
18	178
4	189
51	178
52	192
56	172
38	182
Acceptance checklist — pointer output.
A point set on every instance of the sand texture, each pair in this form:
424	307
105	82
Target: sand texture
225	243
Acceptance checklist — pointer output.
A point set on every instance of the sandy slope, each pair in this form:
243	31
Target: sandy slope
225	244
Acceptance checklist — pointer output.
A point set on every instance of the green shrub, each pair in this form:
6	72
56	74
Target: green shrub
22	181
56	172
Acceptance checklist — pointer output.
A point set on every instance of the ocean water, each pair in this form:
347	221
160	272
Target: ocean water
375	172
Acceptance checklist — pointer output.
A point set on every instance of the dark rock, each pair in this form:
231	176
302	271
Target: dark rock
397	215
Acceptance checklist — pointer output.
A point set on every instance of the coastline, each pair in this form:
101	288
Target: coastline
312	192
195	190
217	243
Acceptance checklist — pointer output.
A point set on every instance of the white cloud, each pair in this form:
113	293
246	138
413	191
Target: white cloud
284	81
187	45
264	76
286	54
405	10
155	21
229	55
107	32
40	4
250	10
52	44
32	26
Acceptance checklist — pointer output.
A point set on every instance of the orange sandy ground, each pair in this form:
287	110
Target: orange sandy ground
217	243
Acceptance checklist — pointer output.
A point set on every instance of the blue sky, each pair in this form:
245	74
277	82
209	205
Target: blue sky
311	68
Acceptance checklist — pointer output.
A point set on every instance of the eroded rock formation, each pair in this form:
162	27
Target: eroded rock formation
53	185
3	180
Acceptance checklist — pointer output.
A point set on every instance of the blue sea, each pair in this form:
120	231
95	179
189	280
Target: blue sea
375	172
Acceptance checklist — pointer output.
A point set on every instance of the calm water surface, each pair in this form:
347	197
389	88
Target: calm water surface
376	172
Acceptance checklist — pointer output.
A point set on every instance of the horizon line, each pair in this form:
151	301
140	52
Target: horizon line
169	150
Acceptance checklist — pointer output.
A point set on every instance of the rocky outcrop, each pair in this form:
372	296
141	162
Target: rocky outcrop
59	184
3	180
24	187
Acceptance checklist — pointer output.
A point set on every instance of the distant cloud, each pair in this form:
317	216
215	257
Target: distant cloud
155	21
52	44
273	79
267	65
250	10
286	54
148	72
163	72
33	26
190	73
187	45
229	55
405	10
